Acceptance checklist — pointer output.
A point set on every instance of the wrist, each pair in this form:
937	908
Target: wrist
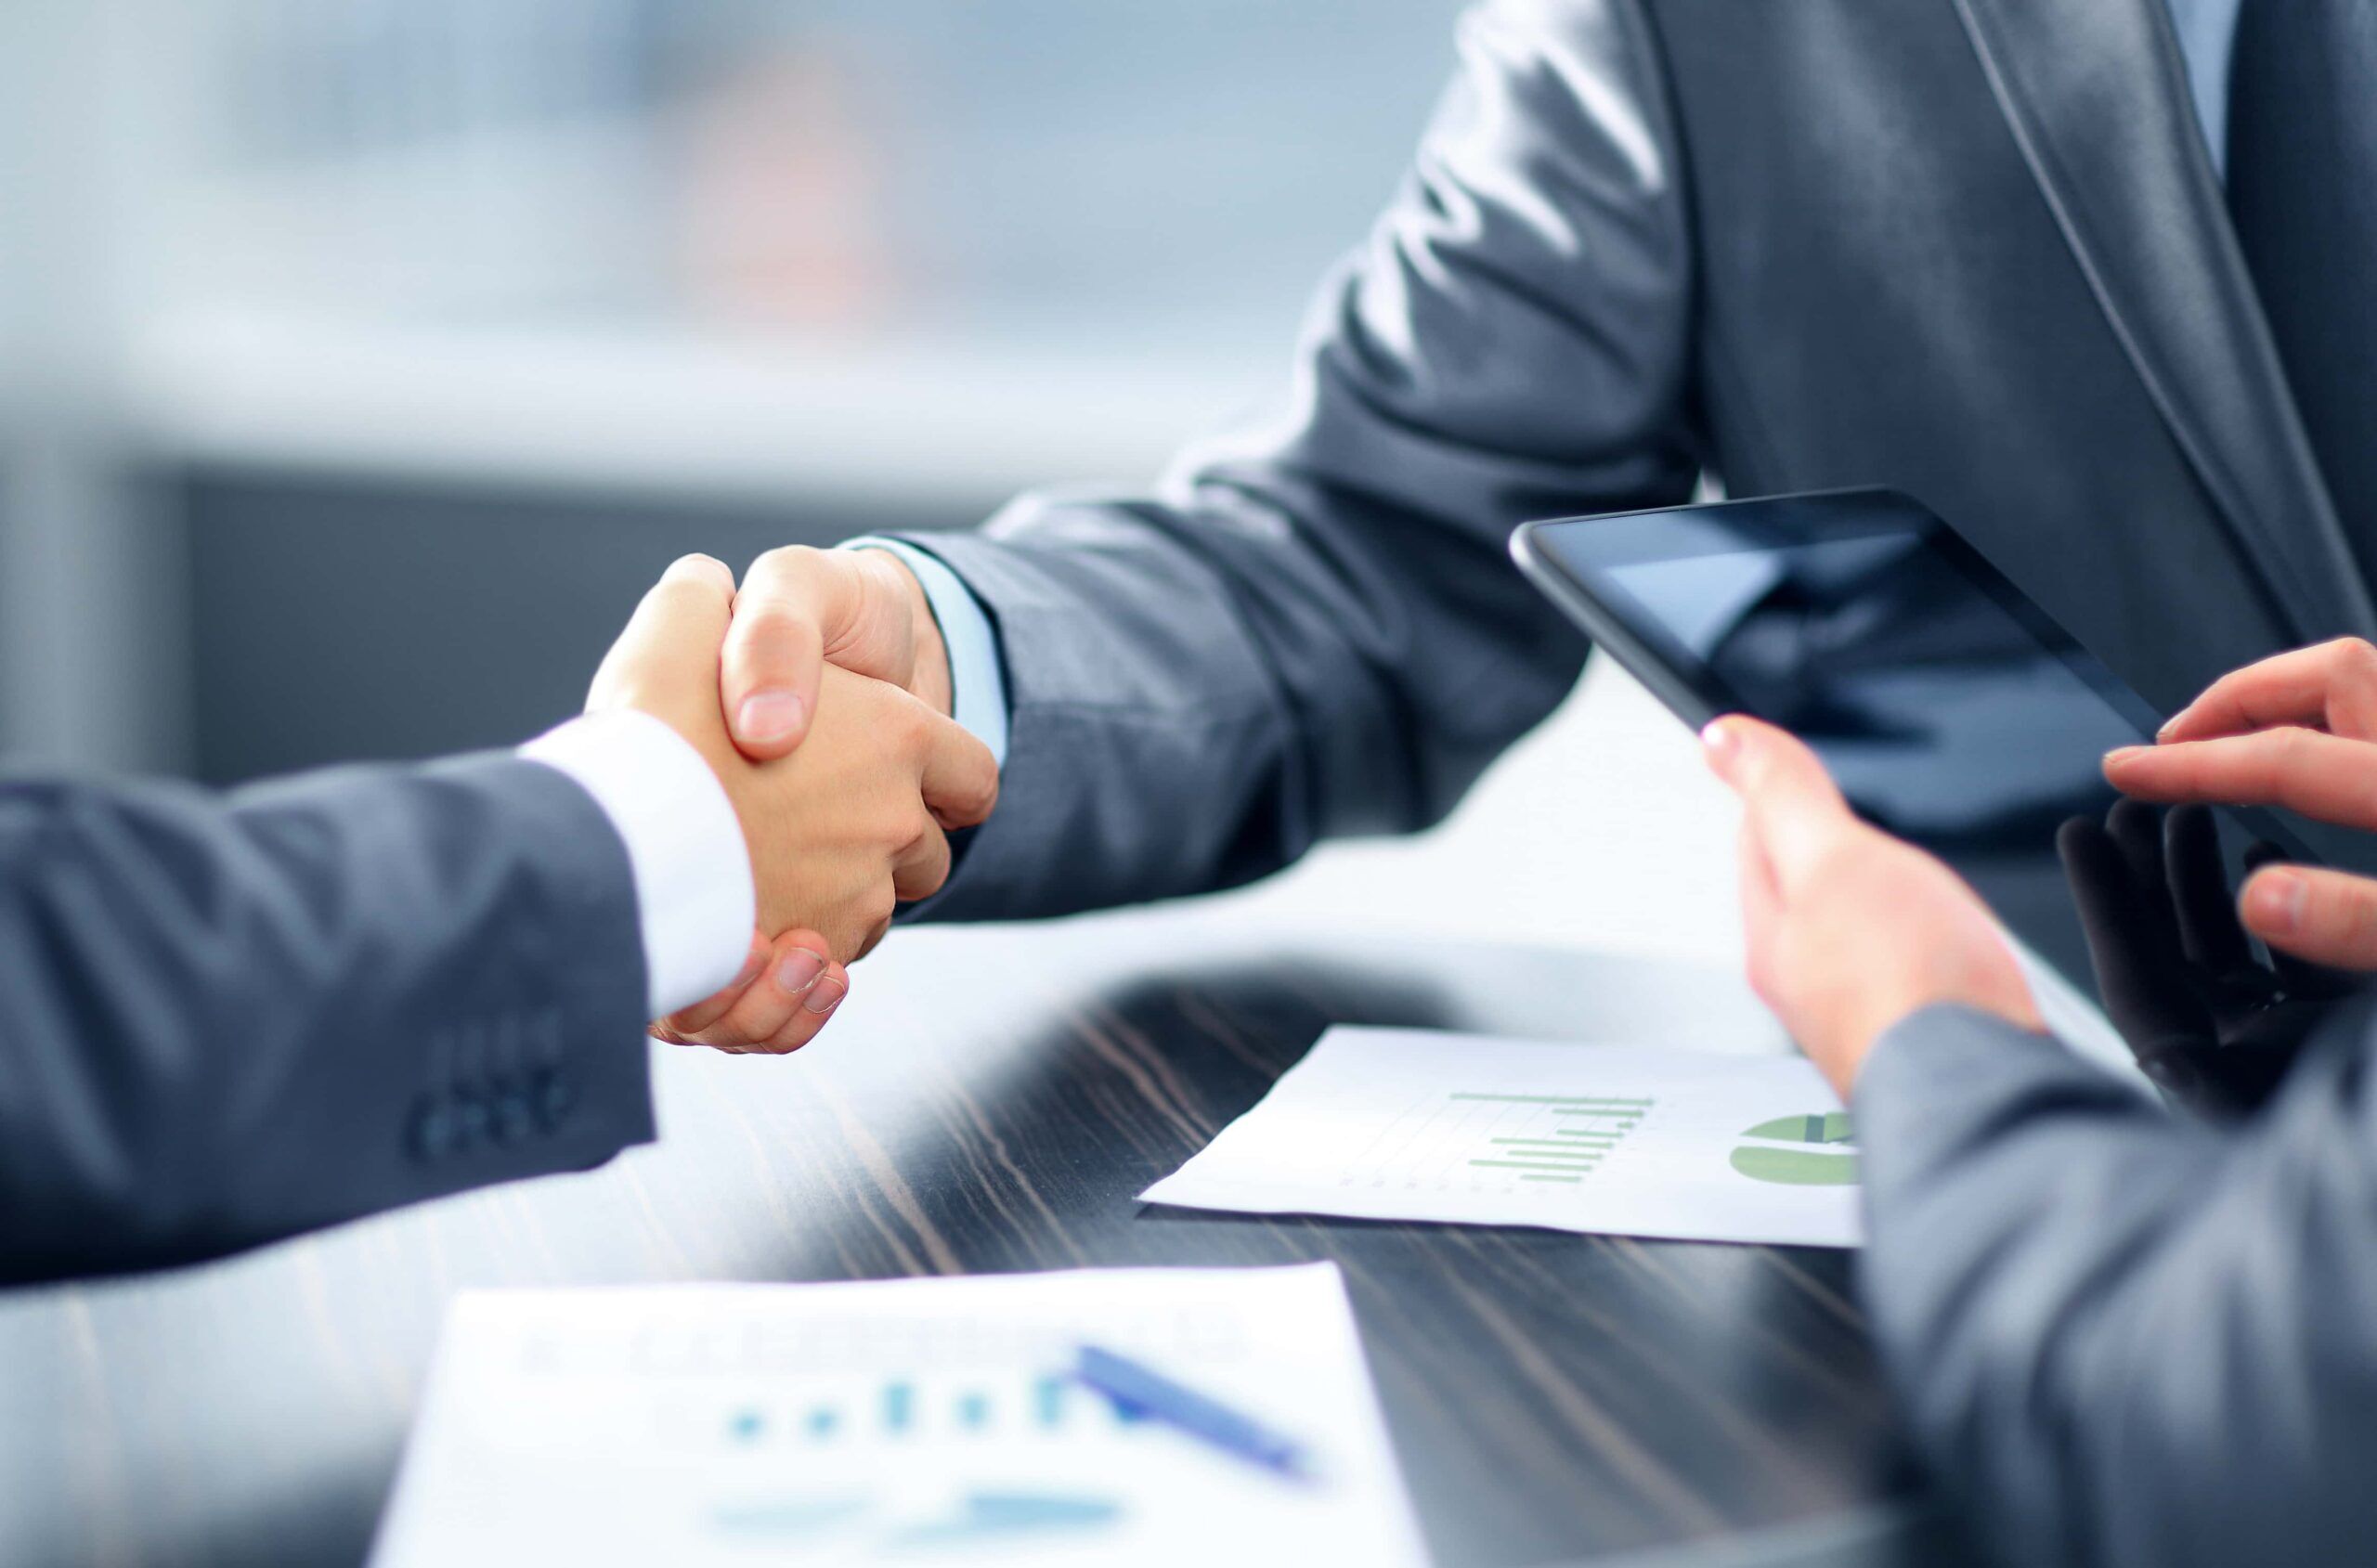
1999	993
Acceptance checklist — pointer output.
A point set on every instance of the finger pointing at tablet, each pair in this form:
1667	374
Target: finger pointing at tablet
2297	730
2323	776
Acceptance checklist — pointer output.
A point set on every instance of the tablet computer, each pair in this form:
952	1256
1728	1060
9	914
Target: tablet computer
1953	711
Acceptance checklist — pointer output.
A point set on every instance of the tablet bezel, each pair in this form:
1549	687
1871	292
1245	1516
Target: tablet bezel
1631	634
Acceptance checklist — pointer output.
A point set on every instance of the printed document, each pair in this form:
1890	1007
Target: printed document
908	1420
1615	1140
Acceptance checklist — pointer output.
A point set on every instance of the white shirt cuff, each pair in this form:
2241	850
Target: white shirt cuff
977	683
693	895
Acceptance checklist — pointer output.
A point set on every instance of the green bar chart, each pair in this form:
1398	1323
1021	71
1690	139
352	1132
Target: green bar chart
1688	1140
1563	1138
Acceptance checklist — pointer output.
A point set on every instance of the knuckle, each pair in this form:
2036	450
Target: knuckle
2354	903
707	572
703	577
907	745
725	1035
875	907
1845	858
679	591
2356	675
978	794
2287	750
781	567
772	620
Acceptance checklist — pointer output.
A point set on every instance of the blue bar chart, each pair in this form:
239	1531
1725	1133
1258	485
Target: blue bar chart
909	1410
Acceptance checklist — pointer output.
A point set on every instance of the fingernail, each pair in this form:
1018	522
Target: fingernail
2122	754
827	996
1721	740
769	715
2168	725
799	972
2274	901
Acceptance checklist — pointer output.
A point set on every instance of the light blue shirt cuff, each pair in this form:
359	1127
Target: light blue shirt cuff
976	681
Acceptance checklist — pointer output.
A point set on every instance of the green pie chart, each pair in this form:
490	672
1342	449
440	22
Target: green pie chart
1815	1163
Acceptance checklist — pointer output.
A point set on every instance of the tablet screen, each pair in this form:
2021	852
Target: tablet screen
1952	711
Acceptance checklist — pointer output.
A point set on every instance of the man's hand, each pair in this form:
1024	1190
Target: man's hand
802	609
838	832
785	993
2298	730
1850	930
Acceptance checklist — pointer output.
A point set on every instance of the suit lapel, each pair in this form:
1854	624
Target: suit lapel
2096	100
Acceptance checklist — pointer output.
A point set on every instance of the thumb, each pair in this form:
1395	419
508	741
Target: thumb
1792	807
793	602
2325	916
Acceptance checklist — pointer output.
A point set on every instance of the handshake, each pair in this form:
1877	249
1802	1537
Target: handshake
820	695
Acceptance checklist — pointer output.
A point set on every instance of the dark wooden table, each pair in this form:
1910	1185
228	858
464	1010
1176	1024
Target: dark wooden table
992	1100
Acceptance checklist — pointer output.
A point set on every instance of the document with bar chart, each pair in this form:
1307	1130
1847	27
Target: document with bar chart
906	1420
1618	1140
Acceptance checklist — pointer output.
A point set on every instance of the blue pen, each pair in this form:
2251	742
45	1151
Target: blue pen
1144	1391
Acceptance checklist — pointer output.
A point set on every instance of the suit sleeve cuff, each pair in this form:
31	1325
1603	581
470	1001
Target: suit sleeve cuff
696	905
977	683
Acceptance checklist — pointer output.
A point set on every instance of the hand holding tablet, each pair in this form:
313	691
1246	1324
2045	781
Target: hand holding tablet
1950	709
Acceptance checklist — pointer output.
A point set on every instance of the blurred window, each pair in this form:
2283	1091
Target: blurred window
999	169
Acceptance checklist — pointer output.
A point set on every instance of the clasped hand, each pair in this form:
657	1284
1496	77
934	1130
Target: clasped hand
842	764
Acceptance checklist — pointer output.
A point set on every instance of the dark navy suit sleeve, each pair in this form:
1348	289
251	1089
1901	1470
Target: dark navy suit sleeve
224	1020
2122	1337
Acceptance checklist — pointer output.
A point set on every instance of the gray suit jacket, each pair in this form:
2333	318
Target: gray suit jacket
223	1020
2123	1338
1971	249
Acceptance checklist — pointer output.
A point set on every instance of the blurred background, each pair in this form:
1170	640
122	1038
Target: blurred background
361	359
